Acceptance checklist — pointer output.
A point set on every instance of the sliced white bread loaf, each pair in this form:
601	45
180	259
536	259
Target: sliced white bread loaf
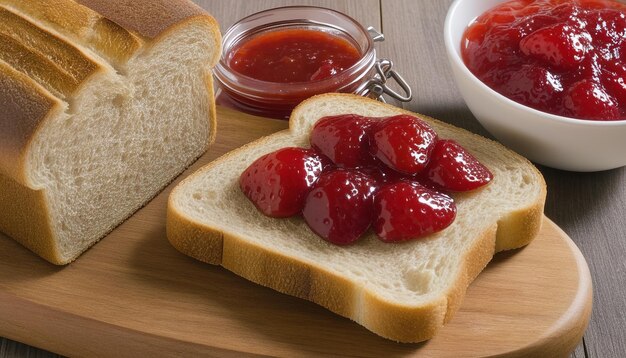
405	291
102	104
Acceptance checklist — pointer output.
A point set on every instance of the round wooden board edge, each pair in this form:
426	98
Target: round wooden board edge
568	331
560	340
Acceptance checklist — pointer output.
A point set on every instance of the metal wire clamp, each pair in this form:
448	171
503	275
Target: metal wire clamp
377	86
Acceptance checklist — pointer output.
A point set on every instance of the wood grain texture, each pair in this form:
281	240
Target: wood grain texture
228	12
133	294
579	352
10	348
589	207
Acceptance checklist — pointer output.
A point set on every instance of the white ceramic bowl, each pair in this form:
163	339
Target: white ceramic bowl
555	141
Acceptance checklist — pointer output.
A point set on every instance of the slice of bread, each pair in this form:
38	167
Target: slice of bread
404	291
102	104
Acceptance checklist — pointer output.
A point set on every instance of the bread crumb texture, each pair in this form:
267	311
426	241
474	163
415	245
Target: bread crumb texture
402	291
120	115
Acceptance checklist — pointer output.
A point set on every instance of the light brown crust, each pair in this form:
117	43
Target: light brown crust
113	42
28	221
25	107
202	243
208	79
66	56
39	68
149	18
64	28
27	102
82	25
155	19
63	13
314	283
518	229
291	276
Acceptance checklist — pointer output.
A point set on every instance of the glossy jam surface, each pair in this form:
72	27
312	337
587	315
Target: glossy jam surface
339	208
564	57
451	167
293	55
343	185
277	183
344	139
404	143
396	206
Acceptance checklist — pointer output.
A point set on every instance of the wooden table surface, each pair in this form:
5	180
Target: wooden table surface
590	207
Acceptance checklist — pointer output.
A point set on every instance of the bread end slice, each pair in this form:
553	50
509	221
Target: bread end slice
404	292
86	144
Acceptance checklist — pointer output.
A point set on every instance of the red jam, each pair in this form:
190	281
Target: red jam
278	182
390	174
558	56
275	59
339	208
294	55
395	207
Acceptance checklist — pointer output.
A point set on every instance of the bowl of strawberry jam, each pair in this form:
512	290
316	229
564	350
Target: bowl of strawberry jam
273	60
545	77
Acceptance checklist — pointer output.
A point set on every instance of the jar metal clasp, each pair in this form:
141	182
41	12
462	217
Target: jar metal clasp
377	86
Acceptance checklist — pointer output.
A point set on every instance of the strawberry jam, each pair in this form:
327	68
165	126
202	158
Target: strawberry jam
278	183
344	139
564	57
390	174
294	55
407	210
339	208
403	143
452	168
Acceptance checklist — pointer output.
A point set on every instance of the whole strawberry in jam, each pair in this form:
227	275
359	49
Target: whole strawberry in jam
339	208
278	183
589	100
454	168
344	139
566	59
534	85
403	142
615	80
562	45
407	210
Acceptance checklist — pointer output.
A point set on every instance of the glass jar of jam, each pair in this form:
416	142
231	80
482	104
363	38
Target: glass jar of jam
275	59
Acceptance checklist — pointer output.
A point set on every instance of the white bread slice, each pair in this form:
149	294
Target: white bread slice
96	118
404	292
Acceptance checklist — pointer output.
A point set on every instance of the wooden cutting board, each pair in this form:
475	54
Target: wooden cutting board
134	295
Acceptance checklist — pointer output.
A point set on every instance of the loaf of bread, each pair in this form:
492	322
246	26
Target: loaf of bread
102	104
403	291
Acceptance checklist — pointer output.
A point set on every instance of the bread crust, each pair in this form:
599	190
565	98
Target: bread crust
82	25
153	19
149	18
39	40
402	323
28	104
25	106
28	219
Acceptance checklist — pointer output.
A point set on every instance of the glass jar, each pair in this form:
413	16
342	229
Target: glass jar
276	100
